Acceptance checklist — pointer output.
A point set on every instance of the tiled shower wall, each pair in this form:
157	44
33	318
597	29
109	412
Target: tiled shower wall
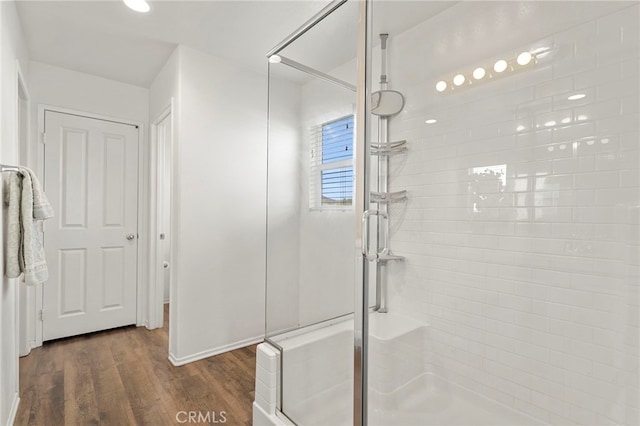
521	229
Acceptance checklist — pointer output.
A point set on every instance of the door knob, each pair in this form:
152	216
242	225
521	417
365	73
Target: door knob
130	236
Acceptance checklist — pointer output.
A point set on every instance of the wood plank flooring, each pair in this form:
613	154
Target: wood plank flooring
123	377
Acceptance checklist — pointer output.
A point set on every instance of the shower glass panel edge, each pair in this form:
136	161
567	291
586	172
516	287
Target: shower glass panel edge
363	141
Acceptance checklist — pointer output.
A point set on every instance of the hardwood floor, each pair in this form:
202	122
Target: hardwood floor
123	377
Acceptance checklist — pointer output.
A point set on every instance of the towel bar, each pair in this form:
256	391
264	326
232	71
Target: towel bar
5	168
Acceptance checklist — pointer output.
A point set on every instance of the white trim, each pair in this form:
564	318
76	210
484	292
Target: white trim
38	323
216	351
141	304
44	107
23	331
156	299
168	110
13	411
22	80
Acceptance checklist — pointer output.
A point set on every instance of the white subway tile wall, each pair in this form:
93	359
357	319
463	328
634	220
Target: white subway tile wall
521	233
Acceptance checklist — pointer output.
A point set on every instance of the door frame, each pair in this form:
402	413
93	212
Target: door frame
27	295
156	281
143	205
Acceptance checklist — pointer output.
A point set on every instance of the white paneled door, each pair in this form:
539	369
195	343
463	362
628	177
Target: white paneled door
91	179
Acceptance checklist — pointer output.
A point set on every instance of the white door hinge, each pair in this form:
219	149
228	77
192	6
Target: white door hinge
43	137
41	314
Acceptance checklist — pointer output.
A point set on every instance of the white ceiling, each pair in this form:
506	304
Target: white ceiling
106	39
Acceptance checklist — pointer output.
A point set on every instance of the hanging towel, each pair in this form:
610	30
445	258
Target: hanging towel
28	206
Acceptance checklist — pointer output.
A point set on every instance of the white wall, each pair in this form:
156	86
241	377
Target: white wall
13	51
65	88
220	198
532	296
326	237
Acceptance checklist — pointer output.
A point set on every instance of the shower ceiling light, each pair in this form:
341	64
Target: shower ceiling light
524	58
500	66
458	80
138	5
441	86
479	73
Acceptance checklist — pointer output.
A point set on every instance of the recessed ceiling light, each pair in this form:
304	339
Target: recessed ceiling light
576	96
500	65
524	58
520	128
566	120
550	123
479	73
138	5
458	80
582	117
441	86
431	121
275	59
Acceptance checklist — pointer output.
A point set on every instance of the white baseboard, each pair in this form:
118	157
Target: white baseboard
215	351
14	409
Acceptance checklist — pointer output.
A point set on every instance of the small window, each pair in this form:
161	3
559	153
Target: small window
331	172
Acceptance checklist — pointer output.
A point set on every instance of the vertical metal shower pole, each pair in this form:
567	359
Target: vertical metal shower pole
383	181
361	203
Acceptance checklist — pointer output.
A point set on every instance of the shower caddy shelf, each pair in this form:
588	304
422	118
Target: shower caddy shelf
388	197
389	148
389	257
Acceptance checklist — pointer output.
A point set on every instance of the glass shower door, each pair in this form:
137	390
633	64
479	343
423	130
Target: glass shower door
310	223
514	297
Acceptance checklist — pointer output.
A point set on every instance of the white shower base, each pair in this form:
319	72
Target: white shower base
404	387
428	401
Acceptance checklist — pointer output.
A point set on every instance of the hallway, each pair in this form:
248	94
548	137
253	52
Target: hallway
123	377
